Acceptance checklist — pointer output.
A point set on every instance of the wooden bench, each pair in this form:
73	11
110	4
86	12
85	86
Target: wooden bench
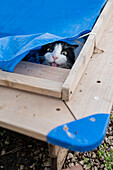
82	91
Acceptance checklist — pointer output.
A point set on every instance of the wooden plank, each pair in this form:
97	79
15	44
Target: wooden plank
31	114
102	22
83	59
42	71
78	69
94	93
31	84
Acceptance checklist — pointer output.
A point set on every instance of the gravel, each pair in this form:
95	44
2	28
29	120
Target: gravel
19	152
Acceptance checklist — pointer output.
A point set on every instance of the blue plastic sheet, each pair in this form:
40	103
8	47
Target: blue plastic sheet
29	24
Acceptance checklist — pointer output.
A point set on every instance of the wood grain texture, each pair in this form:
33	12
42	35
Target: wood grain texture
31	114
31	84
83	59
42	71
94	93
102	21
78	69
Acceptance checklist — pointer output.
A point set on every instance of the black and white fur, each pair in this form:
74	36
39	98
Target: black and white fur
58	54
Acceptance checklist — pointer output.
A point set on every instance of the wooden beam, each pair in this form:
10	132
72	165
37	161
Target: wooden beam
42	71
78	69
31	84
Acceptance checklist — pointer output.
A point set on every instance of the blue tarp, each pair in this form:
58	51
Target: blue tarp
29	24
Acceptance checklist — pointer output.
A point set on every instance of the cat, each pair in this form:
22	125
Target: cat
56	54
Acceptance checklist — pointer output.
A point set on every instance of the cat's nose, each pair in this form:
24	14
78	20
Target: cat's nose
54	57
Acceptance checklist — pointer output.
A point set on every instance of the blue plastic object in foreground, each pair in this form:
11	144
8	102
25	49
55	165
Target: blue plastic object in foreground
80	135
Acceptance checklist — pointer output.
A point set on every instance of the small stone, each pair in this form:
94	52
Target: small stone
93	155
18	154
84	166
46	168
6	142
42	149
21	167
110	137
47	163
32	166
111	147
77	154
3	152
106	140
81	162
70	155
95	168
92	164
40	155
73	159
1	167
87	167
89	155
105	168
97	161
29	146
31	154
102	166
23	154
36	152
71	165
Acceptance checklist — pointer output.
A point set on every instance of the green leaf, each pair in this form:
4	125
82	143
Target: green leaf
99	154
89	165
85	160
2	133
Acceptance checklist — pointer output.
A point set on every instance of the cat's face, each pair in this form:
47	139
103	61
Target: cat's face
58	54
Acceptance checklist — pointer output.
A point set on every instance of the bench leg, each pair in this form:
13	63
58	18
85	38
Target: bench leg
58	156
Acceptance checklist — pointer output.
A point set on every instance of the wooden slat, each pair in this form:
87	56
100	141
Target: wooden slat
78	69
42	71
103	21
31	114
94	93
83	59
31	84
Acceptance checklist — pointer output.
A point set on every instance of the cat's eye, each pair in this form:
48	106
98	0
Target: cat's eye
49	49
64	52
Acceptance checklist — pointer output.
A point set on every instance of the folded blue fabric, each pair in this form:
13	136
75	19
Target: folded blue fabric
26	25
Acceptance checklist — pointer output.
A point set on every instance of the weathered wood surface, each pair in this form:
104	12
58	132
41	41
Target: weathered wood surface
31	114
42	71
35	78
83	59
94	93
31	84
